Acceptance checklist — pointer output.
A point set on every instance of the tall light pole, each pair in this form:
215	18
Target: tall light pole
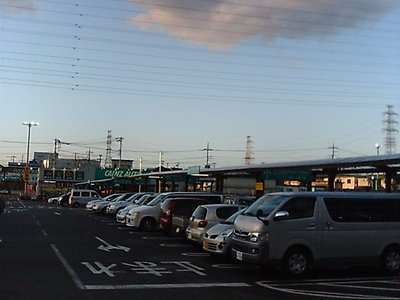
29	124
377	146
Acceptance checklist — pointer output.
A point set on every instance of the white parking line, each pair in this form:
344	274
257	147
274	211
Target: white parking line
79	284
236	266
306	288
195	254
160	238
176	245
166	286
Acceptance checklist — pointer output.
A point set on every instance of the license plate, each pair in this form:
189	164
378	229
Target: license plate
239	255
205	245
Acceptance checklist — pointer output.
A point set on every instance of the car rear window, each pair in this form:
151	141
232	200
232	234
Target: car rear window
225	212
200	213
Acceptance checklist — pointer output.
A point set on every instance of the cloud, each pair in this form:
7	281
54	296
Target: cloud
18	6
220	24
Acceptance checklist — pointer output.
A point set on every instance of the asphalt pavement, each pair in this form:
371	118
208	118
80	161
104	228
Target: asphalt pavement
53	252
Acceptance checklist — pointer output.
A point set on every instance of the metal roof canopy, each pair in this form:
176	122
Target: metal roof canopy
376	162
390	164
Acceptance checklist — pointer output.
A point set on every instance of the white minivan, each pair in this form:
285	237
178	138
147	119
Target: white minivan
296	231
82	197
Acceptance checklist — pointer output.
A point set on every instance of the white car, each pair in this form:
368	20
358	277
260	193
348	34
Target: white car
53	200
114	207
121	215
89	205
101	206
146	217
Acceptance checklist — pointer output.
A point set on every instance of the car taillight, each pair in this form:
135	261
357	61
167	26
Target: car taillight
202	224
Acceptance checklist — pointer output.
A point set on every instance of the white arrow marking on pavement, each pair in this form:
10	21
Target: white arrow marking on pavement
108	247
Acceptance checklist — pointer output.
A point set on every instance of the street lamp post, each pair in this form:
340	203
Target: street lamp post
377	146
29	124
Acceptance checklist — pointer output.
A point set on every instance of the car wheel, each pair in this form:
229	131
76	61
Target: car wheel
296	262
390	260
76	204
148	224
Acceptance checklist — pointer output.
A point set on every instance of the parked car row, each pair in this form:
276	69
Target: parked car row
151	211
292	231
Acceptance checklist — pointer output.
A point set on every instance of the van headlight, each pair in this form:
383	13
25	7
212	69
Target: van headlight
258	237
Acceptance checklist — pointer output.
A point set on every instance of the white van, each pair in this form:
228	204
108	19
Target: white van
82	197
296	231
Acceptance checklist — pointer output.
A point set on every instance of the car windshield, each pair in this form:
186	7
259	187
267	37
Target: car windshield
135	198
157	200
232	218
141	200
266	203
110	197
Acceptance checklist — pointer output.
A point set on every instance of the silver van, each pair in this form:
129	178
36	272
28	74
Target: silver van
82	197
296	231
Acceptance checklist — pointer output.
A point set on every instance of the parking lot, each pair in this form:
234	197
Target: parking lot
63	252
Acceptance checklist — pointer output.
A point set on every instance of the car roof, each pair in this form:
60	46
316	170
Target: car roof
219	205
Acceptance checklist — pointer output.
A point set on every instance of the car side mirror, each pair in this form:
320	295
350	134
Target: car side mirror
260	215
281	215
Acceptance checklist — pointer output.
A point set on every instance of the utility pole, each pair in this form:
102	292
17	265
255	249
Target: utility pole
100	159
333	150
248	159
119	140
140	165
89	153
76	160
56	147
208	149
160	163
140	171
108	160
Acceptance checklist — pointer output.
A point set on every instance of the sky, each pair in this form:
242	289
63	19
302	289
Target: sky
299	77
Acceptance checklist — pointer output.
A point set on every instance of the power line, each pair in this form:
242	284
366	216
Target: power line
288	77
191	9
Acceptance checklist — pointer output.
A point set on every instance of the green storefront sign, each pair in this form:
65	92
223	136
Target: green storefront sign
102	173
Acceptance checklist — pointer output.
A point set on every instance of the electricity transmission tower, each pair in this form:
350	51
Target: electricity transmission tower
248	159
208	149
390	129
108	161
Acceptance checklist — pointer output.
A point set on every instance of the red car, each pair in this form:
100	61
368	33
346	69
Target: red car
181	206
